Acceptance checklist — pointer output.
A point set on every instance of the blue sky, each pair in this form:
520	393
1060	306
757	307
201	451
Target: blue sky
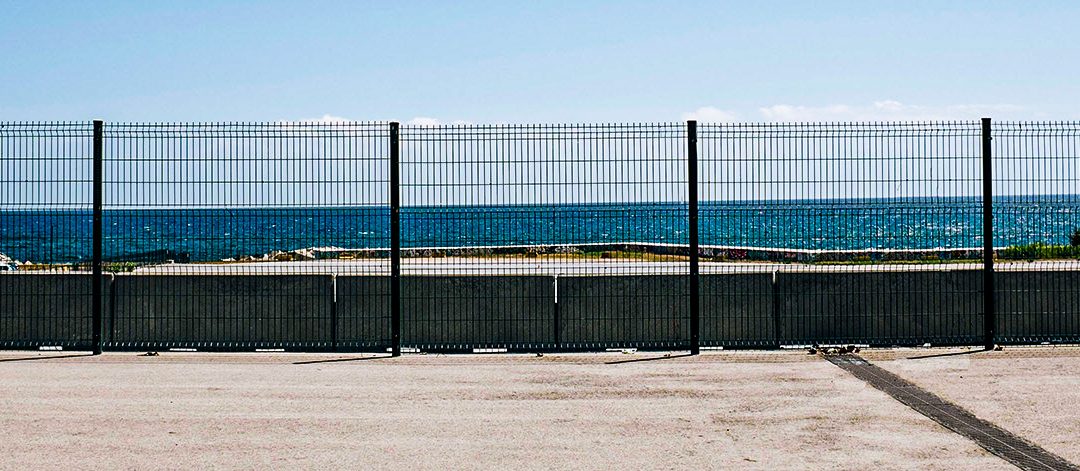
542	61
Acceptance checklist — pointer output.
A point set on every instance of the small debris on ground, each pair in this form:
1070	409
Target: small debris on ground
833	350
149	354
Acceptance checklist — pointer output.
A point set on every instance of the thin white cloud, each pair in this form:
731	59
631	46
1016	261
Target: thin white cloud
327	118
417	121
888	110
709	114
424	121
427	121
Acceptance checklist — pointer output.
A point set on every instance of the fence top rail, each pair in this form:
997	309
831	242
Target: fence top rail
1036	128
228	124
874	124
839	130
579	125
15	124
46	129
520	131
18	124
550	133
282	129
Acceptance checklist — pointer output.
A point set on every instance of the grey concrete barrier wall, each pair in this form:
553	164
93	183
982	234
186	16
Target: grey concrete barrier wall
623	311
881	308
221	310
45	310
363	312
737	310
1038	306
461	312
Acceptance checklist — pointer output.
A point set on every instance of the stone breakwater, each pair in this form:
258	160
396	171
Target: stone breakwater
6	263
629	250
619	251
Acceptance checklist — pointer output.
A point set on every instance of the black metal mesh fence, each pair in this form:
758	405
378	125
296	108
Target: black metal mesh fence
544	236
537	237
858	233
45	234
1036	179
243	235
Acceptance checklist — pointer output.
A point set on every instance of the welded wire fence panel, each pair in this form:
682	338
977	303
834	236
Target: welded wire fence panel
537	237
544	236
840	233
1037	231
240	236
46	198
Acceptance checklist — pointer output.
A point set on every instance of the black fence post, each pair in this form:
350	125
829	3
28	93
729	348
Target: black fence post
692	186
334	345
97	289
557	326
990	314
395	240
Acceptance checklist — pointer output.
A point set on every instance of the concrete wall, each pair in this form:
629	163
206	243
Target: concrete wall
883	308
214	310
623	311
363	312
1038	306
45	310
737	310
464	312
461	312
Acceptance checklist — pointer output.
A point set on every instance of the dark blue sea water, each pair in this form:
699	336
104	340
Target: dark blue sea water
60	236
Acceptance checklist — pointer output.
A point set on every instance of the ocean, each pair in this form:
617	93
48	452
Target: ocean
64	236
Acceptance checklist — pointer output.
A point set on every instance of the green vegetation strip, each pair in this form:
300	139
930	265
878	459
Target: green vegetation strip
1040	251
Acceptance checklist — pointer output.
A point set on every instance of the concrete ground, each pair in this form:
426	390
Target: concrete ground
1033	392
763	410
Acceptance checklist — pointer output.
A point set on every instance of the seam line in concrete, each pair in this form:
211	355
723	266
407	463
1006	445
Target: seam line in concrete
996	440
